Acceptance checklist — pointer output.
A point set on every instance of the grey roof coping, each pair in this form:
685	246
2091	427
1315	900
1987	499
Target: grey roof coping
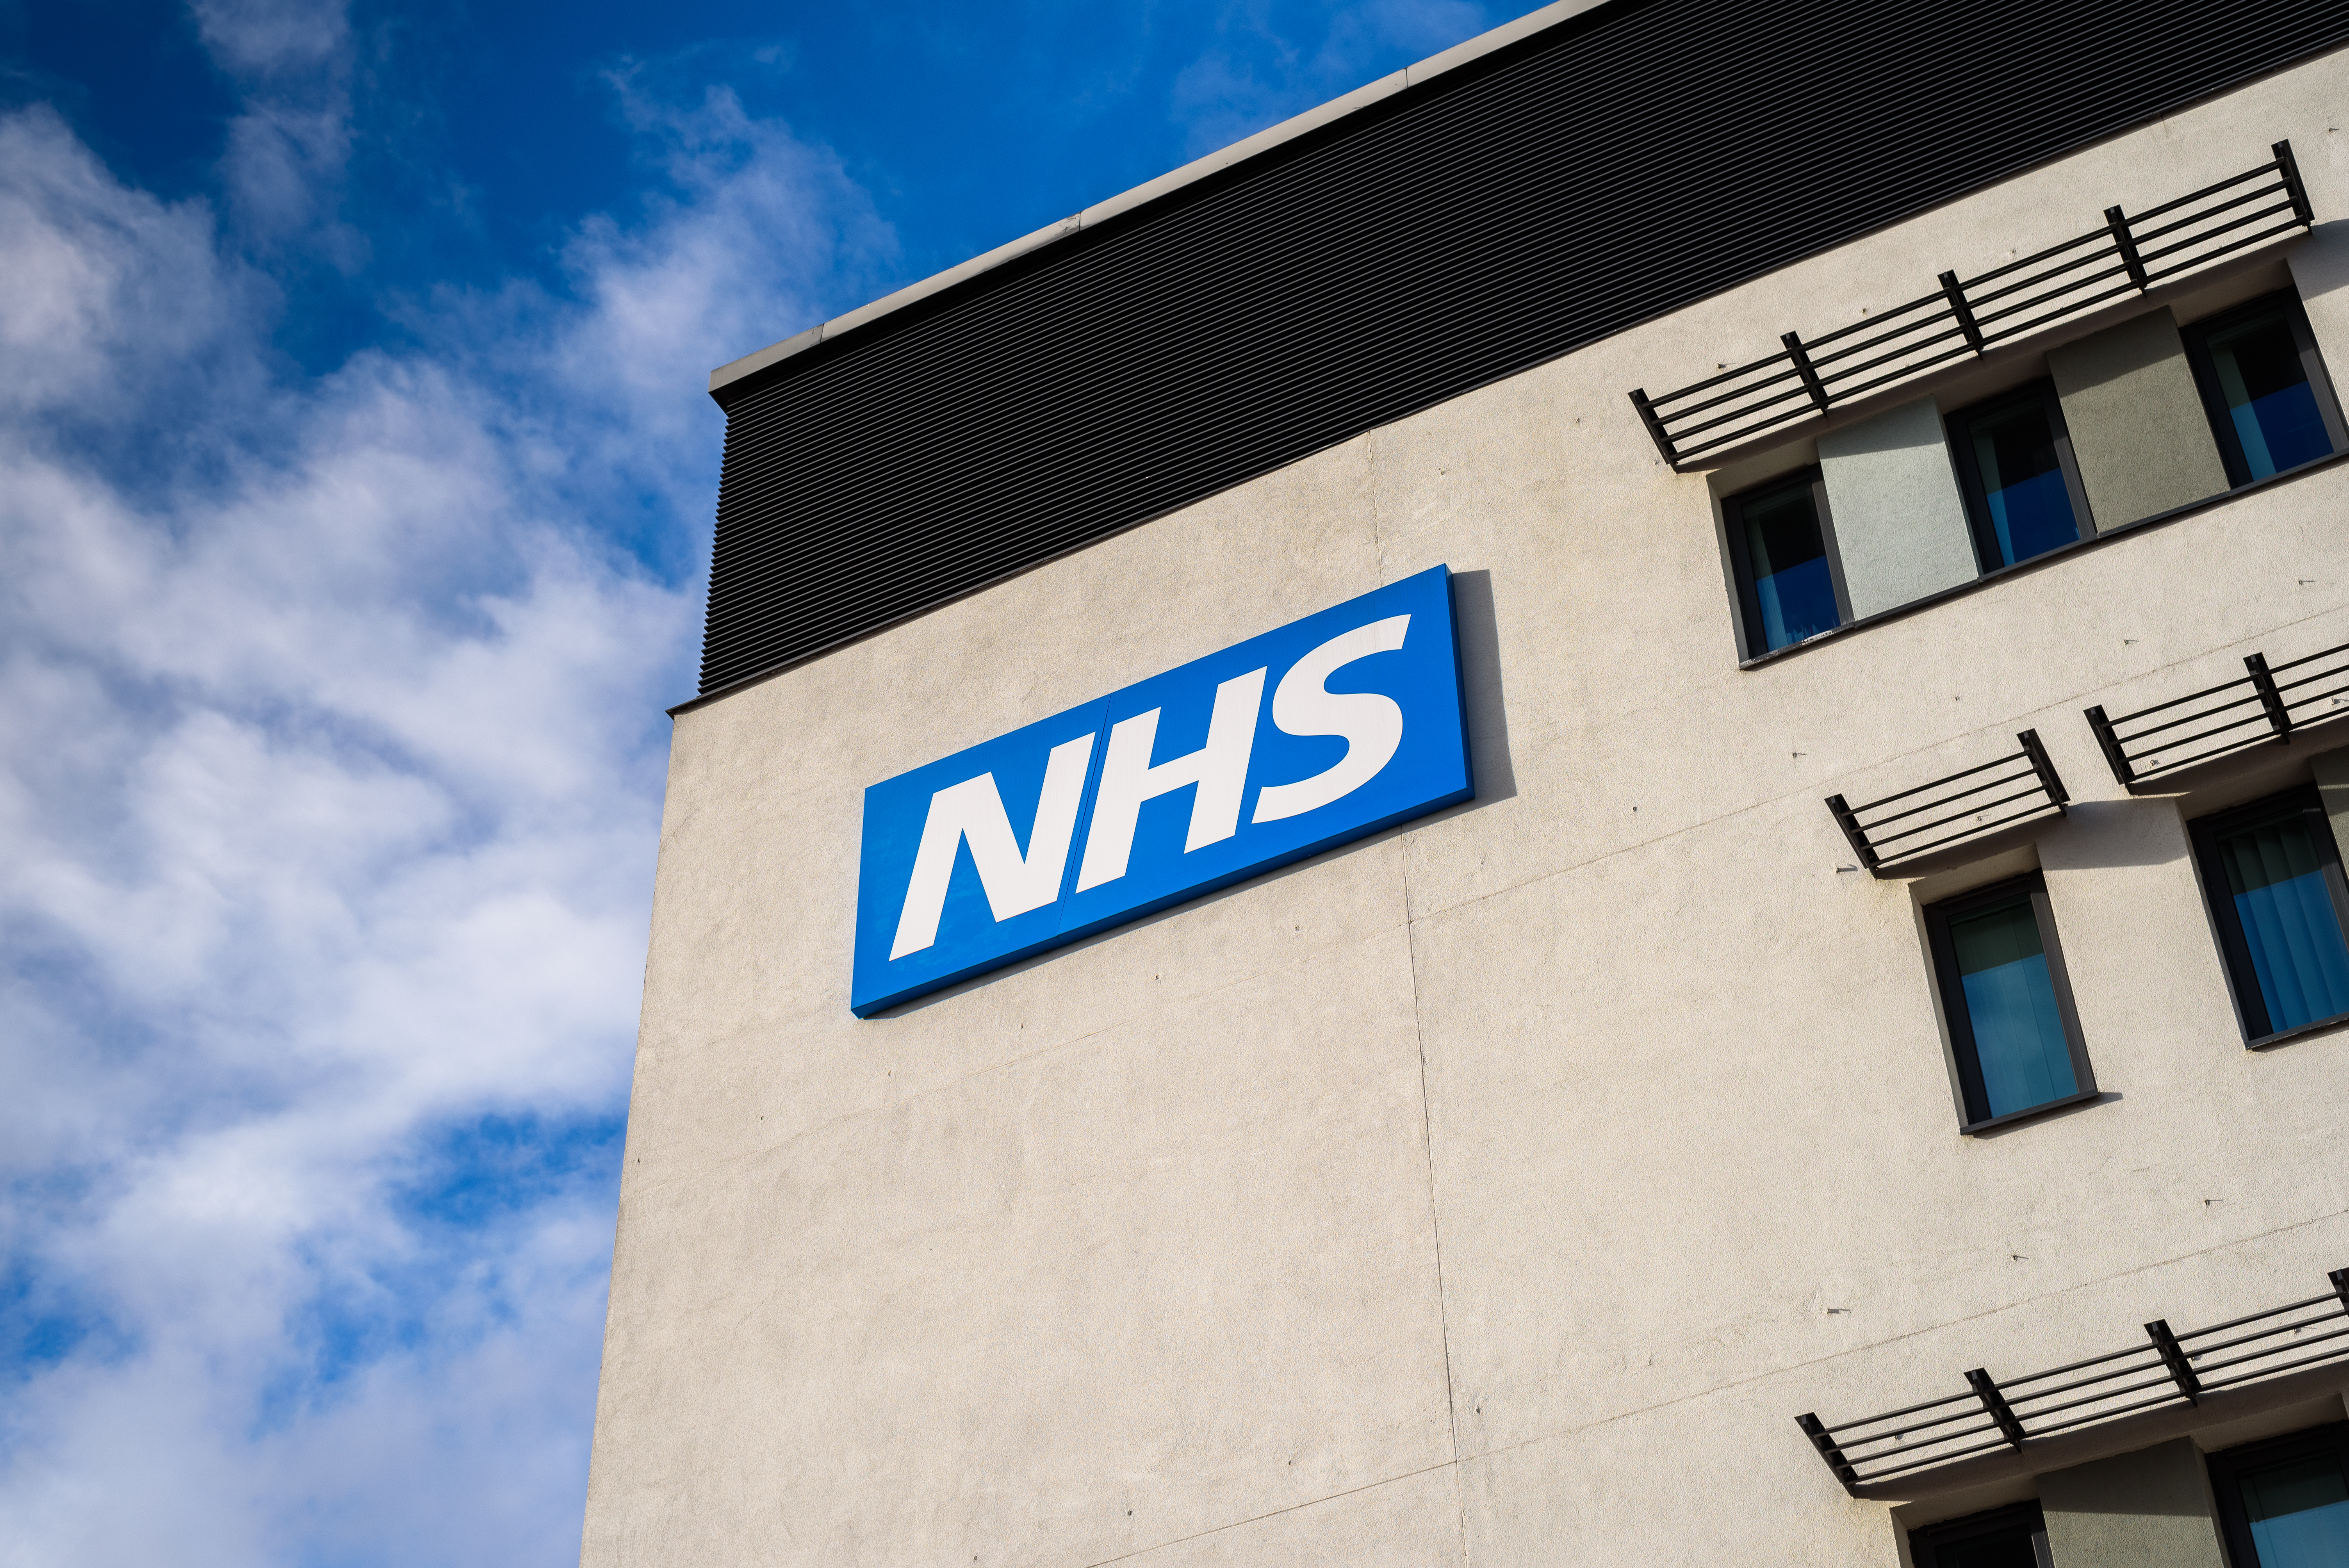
1198	169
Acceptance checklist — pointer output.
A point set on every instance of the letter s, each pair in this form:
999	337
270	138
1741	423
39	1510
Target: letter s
1370	724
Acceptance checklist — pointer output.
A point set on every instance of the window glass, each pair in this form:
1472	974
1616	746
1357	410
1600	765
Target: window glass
2023	481
2018	1031
1788	552
2277	880
2012	1537
2265	387
2299	1514
2007	1549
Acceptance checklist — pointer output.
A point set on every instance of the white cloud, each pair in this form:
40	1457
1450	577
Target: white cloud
129	278
261	36
330	758
289	147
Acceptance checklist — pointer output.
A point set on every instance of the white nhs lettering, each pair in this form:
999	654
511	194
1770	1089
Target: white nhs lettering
1121	828
1219	768
1016	882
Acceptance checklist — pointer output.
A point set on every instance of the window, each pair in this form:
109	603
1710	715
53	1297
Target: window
2014	1039
1788	578
2283	1503
2014	463
2273	874
2270	401
2003	1538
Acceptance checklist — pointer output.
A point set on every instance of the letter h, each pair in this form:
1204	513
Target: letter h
1219	768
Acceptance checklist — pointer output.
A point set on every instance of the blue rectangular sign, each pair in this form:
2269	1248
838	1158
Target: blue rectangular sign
1333	727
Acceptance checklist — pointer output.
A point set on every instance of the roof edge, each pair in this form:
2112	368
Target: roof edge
1191	173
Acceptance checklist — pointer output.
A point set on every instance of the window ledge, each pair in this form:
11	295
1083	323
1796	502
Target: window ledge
2060	552
2285	1036
2011	1117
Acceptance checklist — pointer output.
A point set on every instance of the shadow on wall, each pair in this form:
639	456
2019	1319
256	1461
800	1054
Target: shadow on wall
2320	267
2095	834
2103	1096
2109	834
1480	676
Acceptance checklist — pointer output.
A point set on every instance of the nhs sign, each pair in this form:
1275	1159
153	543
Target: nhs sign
1333	727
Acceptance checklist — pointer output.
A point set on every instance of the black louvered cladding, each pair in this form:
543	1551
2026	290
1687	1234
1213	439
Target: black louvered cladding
1616	167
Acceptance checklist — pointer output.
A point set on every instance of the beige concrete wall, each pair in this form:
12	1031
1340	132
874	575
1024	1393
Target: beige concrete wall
2138	430
2150	1509
1498	1190
1898	523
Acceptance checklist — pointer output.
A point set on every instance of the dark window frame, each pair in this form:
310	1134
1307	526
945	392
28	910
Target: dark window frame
2197	338
1755	638
1959	428
2227	1468
1962	1055
1926	1542
2226	926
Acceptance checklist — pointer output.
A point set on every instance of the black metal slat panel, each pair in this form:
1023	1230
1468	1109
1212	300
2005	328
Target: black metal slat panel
1635	160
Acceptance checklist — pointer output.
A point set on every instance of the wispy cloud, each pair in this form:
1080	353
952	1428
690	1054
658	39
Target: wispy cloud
289	145
1273	60
329	711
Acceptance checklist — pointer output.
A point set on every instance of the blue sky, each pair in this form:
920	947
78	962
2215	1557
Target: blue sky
355	477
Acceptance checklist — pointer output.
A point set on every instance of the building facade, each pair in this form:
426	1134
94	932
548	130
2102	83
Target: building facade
1886	501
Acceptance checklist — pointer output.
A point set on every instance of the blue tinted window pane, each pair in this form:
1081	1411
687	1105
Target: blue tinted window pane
2300	1515
1789	553
2288	921
2268	399
2011	1003
2023	482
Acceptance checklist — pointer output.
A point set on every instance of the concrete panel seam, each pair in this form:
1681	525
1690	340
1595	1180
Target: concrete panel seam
1009	1063
1792	1367
1275	1513
1418	1041
1434	1208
